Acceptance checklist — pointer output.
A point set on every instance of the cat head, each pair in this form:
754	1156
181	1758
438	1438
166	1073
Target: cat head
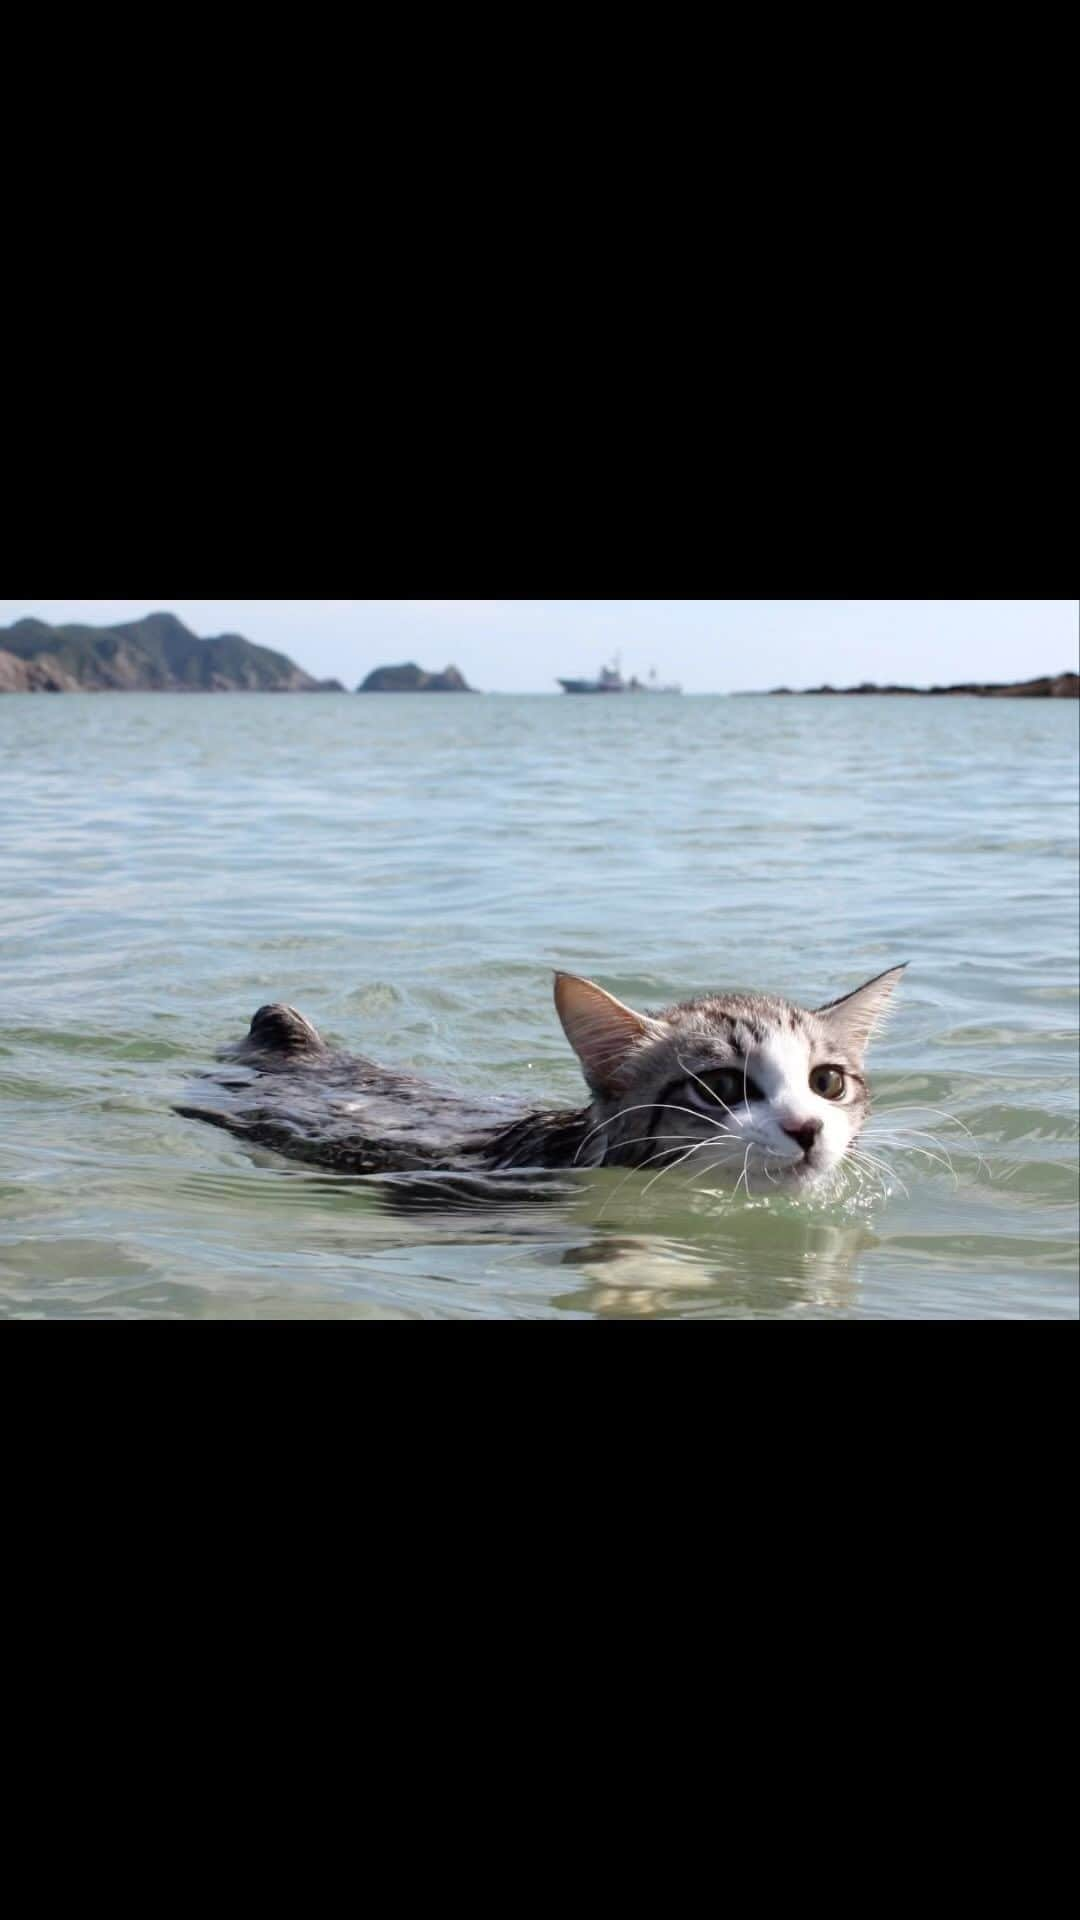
743	1083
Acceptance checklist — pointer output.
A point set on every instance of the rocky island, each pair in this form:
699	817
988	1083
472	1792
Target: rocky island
155	655
412	679
1058	686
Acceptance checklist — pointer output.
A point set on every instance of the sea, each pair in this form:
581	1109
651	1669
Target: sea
408	871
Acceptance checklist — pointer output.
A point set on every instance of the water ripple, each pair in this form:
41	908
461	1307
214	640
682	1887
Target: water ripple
409	872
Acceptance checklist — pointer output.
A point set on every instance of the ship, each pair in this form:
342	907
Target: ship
611	681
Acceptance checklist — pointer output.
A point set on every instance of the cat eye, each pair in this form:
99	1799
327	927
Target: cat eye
829	1082
729	1085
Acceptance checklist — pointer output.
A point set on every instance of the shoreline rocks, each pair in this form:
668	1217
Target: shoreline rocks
1060	686
42	675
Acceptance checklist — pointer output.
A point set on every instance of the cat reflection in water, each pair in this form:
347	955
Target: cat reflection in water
746	1088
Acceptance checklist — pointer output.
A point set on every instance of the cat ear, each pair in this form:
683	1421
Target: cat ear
602	1032
854	1019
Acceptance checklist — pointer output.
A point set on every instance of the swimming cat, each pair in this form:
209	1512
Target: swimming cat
737	1084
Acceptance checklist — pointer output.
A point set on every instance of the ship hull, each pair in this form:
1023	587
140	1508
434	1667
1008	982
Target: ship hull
597	686
587	686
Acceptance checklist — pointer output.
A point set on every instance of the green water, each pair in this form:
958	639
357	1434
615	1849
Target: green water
407	872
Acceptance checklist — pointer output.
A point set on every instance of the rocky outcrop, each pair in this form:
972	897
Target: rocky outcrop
412	679
33	676
155	655
1060	686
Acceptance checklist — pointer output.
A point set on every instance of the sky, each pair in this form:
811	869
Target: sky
710	646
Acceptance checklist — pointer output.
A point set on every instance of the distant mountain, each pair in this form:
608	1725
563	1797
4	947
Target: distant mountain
155	655
412	679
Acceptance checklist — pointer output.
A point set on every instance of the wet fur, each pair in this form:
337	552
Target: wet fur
301	1098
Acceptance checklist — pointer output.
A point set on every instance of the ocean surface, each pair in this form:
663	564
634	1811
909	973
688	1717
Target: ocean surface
408	870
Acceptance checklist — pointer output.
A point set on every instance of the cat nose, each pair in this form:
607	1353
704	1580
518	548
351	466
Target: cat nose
806	1133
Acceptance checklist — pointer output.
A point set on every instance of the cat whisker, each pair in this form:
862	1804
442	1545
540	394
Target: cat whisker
645	1106
944	1159
878	1166
863	1180
678	1160
900	1135
681	1160
635	1166
921	1106
629	1174
710	1092
688	1155
848	1171
746	1096
863	1175
869	1159
639	1166
744	1175
643	1139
